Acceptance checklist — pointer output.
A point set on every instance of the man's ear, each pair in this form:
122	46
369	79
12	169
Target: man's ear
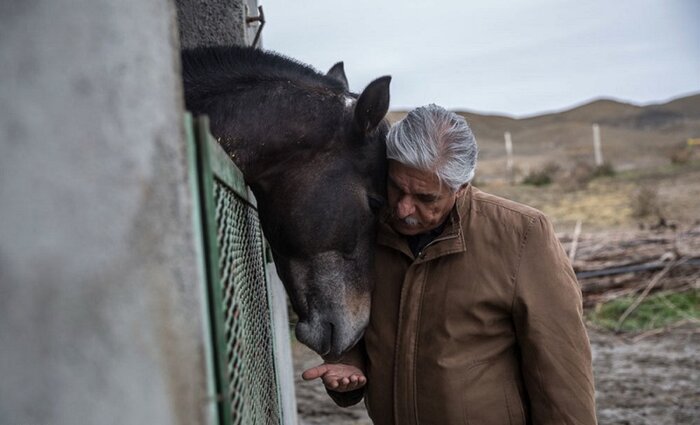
337	72
372	105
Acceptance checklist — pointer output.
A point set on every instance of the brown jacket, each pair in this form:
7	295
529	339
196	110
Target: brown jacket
483	327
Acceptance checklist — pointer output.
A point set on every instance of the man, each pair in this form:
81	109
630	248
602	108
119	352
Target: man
476	314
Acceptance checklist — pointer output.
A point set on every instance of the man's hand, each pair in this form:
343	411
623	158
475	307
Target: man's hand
337	376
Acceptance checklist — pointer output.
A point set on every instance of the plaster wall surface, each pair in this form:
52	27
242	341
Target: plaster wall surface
217	22
101	308
211	22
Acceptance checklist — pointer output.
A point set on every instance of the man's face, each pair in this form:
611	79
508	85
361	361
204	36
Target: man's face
419	202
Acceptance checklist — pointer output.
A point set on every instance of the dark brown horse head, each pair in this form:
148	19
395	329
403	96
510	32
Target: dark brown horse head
314	156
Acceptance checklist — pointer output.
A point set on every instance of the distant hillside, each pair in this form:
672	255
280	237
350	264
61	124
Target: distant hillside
632	135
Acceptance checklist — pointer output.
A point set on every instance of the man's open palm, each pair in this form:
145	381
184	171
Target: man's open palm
337	376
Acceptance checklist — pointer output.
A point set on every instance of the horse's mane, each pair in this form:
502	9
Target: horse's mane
208	70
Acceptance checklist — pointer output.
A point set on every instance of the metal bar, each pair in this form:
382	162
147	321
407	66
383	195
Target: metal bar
206	184
209	353
224	169
260	18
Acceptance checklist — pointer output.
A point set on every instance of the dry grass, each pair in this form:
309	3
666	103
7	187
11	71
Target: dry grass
617	201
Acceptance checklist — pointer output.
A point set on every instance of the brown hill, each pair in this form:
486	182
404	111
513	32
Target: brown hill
632	136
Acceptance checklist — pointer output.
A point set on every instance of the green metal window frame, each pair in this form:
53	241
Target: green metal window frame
218	177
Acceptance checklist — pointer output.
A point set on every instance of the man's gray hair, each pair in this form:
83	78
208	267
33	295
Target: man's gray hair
434	139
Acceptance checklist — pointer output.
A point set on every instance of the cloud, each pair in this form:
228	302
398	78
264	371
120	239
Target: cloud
501	56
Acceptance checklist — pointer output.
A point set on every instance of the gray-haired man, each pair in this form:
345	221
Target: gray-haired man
476	314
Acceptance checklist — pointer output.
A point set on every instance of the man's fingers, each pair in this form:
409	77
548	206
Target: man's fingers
314	372
343	384
331	381
336	377
349	387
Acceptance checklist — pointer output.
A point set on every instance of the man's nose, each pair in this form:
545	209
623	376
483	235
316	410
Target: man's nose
405	207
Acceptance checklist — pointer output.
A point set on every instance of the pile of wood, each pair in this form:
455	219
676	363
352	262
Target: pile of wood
611	265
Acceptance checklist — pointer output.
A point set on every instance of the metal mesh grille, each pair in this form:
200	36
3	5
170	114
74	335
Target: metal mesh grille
248	333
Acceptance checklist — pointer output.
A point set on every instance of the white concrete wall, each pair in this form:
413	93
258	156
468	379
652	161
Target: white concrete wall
283	349
101	318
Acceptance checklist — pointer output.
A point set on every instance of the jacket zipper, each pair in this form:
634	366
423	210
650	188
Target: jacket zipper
421	253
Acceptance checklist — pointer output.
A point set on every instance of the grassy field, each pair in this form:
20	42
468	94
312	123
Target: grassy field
624	200
656	311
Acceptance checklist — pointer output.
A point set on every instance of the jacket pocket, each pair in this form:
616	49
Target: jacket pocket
492	397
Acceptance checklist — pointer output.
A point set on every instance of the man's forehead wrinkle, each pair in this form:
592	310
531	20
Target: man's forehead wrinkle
416	186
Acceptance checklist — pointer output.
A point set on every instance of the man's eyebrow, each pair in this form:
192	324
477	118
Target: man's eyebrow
426	195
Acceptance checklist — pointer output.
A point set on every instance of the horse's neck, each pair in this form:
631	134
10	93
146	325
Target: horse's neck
270	137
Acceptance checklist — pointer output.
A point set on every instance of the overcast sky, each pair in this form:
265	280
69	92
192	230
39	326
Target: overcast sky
515	57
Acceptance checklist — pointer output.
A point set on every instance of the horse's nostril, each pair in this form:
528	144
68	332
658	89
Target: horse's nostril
330	331
334	349
317	335
328	337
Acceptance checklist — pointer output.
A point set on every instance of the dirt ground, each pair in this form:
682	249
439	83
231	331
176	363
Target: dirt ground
653	381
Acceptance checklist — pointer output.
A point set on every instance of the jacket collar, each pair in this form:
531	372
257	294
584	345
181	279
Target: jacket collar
451	240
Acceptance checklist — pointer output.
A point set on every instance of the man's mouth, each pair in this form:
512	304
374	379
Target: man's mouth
406	222
410	221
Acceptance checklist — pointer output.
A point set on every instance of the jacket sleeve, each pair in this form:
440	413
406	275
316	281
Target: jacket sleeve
553	343
355	357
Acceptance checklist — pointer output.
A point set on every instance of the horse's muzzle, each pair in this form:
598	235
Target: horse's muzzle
331	337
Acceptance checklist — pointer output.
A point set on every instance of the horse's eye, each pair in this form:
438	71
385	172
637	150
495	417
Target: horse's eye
376	202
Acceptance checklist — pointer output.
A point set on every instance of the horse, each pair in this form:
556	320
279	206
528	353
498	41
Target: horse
313	153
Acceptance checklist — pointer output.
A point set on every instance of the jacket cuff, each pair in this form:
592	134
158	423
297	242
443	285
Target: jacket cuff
348	398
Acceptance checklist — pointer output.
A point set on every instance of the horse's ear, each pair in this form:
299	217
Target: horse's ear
372	105
337	72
